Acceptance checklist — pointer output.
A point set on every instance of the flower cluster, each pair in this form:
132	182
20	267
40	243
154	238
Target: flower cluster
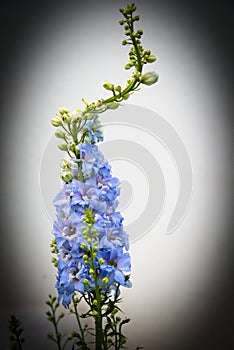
90	241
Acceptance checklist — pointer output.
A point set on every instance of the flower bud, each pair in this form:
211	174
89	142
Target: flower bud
118	88
136	18
108	85
56	122
105	280
130	81
60	134
125	97
127	66
83	246
72	146
85	281
63	110
137	75
151	58
147	52
95	302
101	261
62	146
66	118
91	271
149	78
113	105
65	164
67	176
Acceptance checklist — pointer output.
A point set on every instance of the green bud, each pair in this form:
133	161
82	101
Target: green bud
89	217
60	134
121	22
62	146
105	280
129	81
128	32
95	302
56	122
151	58
85	281
101	261
136	18
63	110
137	75
91	271
128	65
66	118
118	88
140	31
125	97
113	105
85	257
147	52
108	85
83	246
149	78
72	146
95	313
124	42
67	176
65	164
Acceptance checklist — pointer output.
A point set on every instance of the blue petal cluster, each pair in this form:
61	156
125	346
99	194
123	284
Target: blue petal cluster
98	192
93	130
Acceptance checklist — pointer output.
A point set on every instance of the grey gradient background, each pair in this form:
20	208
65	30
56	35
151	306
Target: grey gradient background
54	53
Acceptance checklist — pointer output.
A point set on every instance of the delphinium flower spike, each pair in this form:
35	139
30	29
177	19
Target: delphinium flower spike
90	242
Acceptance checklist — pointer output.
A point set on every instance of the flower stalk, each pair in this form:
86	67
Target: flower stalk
90	242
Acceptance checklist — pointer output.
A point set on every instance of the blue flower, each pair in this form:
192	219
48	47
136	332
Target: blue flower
94	130
120	263
92	159
70	279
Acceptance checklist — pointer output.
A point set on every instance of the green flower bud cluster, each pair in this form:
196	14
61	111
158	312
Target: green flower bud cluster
137	55
73	129
62	117
54	251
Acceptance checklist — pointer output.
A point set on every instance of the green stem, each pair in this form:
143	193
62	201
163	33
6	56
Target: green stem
78	320
116	339
100	340
58	336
